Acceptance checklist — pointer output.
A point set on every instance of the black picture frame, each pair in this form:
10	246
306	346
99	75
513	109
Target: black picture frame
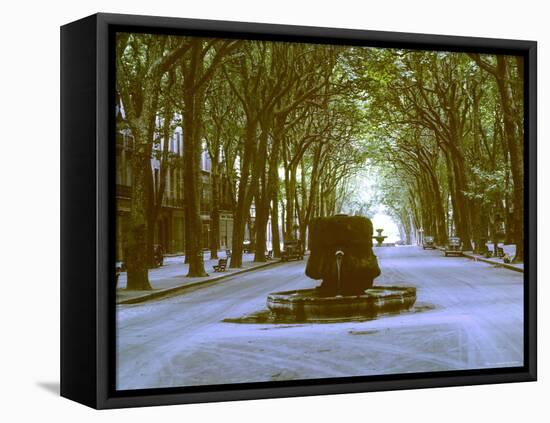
87	220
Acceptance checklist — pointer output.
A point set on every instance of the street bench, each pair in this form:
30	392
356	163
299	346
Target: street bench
269	255
221	266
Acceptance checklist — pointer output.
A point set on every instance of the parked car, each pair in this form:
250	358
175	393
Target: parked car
428	243
292	250
453	247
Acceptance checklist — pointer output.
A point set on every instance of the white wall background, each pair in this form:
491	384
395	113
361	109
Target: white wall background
29	223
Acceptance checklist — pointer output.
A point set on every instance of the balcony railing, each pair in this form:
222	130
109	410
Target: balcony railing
125	191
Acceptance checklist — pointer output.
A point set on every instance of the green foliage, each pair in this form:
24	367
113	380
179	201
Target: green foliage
332	128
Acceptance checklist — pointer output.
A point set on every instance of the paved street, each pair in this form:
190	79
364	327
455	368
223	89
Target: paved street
468	315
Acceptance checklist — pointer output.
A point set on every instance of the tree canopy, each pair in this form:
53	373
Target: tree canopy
299	130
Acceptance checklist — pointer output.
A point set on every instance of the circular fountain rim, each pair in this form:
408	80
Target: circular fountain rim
309	305
371	293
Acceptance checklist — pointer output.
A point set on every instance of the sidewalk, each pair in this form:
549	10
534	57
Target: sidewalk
518	267
171	277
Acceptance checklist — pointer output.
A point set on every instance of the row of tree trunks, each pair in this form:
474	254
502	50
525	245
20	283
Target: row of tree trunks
245	193
510	89
514	137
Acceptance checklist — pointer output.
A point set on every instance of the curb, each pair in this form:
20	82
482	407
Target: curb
180	288
181	253
484	260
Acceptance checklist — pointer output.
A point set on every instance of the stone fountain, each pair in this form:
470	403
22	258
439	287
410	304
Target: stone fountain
379	238
342	258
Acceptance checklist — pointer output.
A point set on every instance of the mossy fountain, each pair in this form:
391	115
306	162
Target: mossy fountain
342	258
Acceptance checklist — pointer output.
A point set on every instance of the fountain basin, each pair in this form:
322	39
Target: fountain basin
308	304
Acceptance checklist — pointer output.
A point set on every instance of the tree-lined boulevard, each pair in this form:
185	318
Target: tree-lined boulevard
301	130
469	315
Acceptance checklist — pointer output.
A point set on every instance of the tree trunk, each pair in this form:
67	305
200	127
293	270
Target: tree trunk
192	148
238	238
262	196
139	91
262	216
276	240
215	211
457	187
137	257
290	185
244	198
513	141
152	215
186	235
439	212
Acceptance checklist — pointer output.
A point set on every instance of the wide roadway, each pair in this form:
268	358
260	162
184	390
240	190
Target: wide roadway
468	315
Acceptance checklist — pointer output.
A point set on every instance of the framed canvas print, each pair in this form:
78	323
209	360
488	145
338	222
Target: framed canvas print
256	211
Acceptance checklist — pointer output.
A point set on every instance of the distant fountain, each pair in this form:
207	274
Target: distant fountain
380	238
343	259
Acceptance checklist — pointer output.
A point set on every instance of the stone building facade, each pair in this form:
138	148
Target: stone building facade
170	225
